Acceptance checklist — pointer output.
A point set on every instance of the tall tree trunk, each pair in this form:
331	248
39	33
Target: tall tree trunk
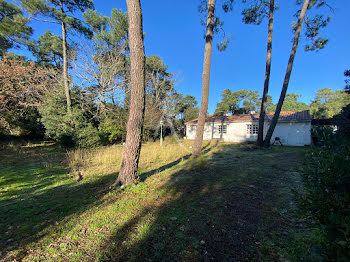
132	150
287	75
65	62
267	76
206	76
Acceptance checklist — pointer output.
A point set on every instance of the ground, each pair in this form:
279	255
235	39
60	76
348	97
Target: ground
234	203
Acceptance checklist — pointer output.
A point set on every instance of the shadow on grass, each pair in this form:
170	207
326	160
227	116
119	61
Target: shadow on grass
213	214
24	221
41	194
206	149
45	195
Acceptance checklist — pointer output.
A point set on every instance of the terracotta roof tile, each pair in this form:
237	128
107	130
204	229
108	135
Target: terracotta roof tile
285	116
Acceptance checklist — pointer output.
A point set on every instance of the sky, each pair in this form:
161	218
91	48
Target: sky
174	32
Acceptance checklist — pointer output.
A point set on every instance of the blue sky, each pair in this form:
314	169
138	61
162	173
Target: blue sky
173	31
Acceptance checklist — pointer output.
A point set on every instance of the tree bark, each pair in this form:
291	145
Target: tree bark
126	82
287	75
206	77
65	63
128	169
267	76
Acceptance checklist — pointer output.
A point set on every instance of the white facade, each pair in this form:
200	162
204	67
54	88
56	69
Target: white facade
290	133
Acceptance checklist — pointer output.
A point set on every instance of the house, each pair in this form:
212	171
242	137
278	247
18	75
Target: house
293	128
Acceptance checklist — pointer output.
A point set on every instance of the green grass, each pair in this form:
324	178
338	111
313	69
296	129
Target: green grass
232	203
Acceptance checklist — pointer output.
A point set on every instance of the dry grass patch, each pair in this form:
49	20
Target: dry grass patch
106	160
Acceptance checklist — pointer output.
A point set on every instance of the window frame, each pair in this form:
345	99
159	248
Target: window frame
252	129
222	129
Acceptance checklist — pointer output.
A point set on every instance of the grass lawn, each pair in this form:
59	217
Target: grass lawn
234	203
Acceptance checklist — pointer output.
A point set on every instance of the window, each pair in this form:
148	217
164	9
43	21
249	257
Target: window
223	129
252	129
255	129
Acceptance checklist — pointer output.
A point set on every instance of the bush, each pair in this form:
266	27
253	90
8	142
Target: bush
326	196
321	134
68	130
343	122
111	132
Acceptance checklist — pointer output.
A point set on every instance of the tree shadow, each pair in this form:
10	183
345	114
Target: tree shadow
206	149
212	214
27	210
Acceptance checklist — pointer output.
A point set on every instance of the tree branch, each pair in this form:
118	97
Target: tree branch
43	20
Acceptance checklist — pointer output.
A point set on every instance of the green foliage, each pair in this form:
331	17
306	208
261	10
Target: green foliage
218	25
222	46
103	62
182	109
291	103
190	113
47	49
69	130
269	103
256	12
185	107
342	121
242	101
111	131
14	56
328	103
321	134
313	24
109	32
326	197
159	82
312	30
21	124
53	10
13	28
110	50
86	134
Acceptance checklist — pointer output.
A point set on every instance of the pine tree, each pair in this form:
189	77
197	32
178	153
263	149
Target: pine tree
288	73
267	76
61	12
109	49
14	30
256	11
47	49
128	169
206	77
313	26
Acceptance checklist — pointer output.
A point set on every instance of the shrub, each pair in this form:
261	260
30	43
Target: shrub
321	134
87	136
326	196
68	130
111	132
343	122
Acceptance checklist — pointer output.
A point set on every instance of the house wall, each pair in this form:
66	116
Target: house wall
293	133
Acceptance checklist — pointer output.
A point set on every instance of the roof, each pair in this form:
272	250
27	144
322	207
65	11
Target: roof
285	116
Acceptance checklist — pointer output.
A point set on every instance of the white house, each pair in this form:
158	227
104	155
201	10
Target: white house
293	128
